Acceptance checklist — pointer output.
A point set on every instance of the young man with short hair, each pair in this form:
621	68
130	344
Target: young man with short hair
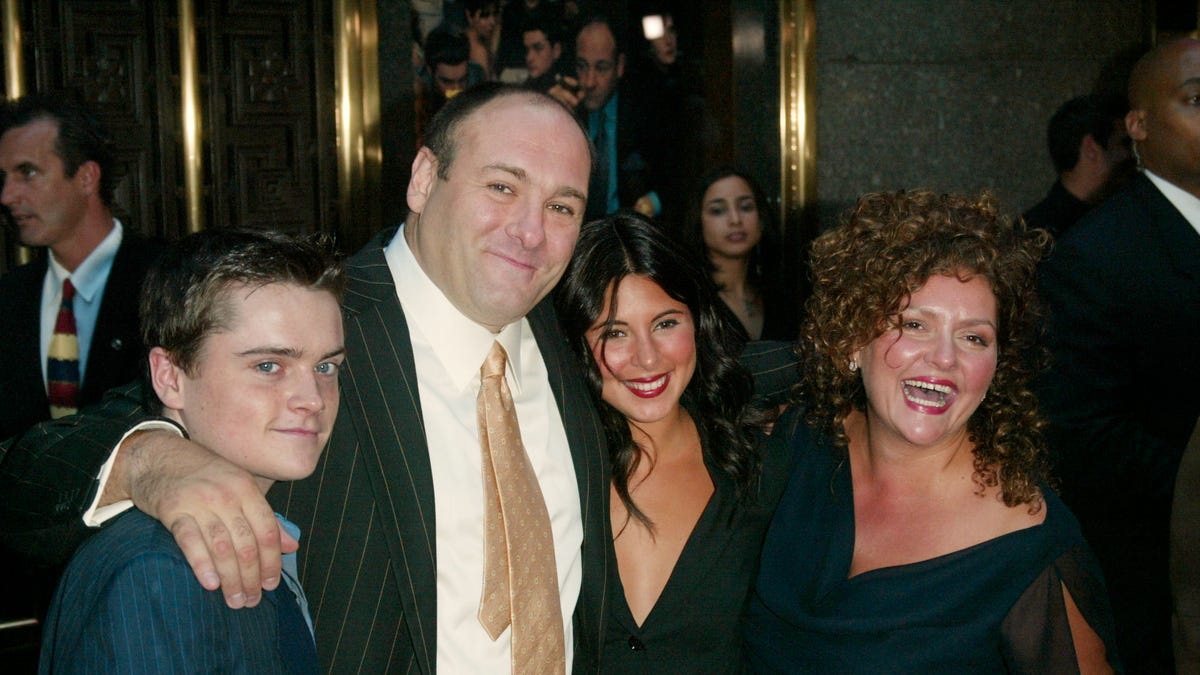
246	342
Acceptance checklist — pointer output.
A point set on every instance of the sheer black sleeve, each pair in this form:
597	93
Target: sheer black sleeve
1036	631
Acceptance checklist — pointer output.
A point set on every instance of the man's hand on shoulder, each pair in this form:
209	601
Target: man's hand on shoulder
215	510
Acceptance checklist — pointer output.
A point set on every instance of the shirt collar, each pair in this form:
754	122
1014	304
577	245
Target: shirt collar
1185	202
459	344
89	277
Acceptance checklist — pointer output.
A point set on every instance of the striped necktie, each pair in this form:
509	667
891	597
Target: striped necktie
62	367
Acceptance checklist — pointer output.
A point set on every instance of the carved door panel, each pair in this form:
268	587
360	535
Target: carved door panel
265	106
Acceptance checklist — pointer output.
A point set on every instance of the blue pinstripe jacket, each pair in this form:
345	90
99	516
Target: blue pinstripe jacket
129	603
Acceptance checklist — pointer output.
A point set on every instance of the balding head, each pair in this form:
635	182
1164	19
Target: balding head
1164	116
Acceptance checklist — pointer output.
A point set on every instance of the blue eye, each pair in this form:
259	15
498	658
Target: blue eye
327	368
267	367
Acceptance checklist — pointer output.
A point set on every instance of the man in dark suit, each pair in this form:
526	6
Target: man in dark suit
59	175
394	513
622	177
1123	287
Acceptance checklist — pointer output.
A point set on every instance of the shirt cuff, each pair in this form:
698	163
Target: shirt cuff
97	515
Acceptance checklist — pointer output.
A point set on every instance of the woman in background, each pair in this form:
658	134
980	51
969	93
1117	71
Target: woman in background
691	491
731	228
917	533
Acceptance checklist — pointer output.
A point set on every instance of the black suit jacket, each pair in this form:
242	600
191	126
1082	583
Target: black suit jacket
635	170
116	355
1123	289
368	562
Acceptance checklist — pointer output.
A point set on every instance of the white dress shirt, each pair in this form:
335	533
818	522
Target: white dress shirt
449	350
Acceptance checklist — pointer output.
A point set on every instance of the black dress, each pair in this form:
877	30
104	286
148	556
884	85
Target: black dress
693	627
994	607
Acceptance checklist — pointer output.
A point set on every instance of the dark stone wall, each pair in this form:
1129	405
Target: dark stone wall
955	95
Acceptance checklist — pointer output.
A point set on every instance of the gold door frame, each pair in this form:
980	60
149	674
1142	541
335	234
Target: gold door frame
14	76
797	111
359	145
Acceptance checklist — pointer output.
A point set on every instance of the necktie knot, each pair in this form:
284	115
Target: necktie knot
493	365
68	291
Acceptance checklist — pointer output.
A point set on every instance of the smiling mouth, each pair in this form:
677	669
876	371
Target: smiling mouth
300	431
648	388
519	264
927	394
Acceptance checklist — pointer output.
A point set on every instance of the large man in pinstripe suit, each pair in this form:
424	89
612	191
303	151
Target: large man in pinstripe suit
496	201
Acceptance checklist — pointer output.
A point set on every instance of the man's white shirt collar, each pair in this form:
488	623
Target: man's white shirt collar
1185	202
460	344
91	274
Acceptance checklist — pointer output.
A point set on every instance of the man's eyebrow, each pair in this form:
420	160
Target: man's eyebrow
340	351
568	191
521	175
290	352
269	351
516	171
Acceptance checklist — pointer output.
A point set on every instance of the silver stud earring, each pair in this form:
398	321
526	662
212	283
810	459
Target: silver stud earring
853	365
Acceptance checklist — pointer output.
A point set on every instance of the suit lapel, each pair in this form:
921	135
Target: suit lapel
116	342
23	318
379	394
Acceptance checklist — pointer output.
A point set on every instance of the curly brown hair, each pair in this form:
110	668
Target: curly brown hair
886	247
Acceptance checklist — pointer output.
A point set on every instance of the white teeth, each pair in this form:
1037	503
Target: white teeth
646	386
940	388
926	393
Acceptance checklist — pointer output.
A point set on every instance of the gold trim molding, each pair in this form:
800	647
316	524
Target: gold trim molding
797	109
192	119
359	148
14	78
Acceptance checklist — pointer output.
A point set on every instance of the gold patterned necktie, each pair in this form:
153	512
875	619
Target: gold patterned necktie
520	580
62	358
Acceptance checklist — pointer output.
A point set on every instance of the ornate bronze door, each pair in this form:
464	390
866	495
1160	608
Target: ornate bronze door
257	137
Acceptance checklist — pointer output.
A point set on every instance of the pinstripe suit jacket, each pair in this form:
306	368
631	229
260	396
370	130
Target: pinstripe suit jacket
369	562
129	603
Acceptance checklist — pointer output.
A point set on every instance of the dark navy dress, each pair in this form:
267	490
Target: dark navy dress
996	607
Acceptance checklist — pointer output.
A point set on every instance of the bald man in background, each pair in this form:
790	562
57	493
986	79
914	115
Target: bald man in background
1123	394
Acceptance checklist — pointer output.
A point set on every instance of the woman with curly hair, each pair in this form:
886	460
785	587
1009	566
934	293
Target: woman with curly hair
918	533
691	491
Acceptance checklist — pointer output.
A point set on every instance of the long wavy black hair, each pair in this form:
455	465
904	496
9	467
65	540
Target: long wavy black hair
720	391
